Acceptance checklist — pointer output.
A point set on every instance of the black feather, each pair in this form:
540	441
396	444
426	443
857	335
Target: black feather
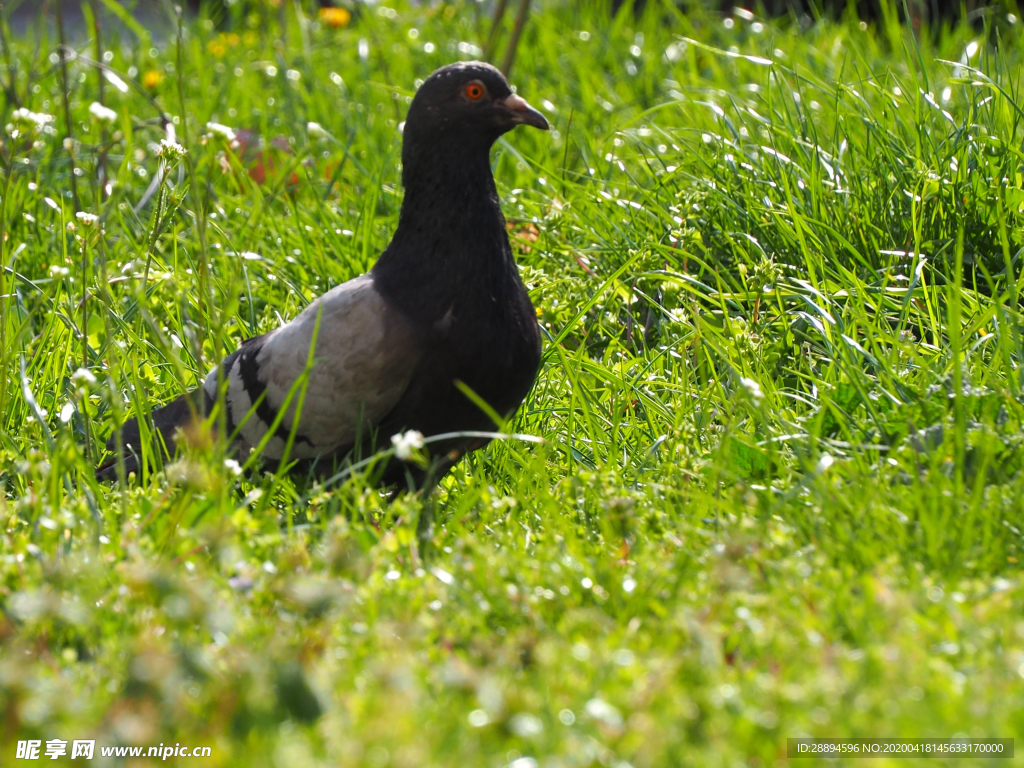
166	420
249	371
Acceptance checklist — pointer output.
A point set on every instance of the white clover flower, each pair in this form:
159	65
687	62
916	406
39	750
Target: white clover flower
233	467
316	130
753	389
82	377
101	113
221	130
38	119
406	443
171	150
87	219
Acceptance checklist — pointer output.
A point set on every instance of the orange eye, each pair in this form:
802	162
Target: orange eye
474	91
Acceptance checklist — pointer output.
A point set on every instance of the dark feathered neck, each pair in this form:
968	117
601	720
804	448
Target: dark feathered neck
442	176
450	246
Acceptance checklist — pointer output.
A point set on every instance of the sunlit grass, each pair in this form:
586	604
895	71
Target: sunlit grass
779	492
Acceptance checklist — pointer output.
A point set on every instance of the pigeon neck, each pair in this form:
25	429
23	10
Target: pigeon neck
442	179
451	244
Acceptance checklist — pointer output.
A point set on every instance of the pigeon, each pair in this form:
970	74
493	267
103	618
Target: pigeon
438	337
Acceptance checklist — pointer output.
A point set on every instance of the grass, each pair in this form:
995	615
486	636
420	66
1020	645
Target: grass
779	492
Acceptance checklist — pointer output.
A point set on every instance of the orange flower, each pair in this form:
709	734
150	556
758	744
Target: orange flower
152	78
335	17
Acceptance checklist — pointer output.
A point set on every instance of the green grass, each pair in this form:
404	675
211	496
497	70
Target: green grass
780	487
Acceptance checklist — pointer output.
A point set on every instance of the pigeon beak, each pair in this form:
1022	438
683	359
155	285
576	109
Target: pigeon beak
522	112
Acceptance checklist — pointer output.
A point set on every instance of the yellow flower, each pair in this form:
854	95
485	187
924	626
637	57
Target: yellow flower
335	17
219	45
152	78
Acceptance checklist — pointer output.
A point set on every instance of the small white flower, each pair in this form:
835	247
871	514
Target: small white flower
316	130
753	389
478	718
67	412
825	462
233	467
101	113
83	376
38	119
525	726
87	219
406	443
221	130
171	150
601	710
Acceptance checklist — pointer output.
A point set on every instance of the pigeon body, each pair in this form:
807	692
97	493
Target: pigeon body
443	304
365	357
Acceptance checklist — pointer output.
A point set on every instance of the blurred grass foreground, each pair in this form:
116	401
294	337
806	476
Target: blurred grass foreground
780	487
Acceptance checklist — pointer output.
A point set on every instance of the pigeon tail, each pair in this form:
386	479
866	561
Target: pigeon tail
178	414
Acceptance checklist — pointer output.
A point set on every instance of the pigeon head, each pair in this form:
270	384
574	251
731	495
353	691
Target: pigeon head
467	105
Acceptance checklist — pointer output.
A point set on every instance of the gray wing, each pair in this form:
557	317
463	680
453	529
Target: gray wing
364	358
